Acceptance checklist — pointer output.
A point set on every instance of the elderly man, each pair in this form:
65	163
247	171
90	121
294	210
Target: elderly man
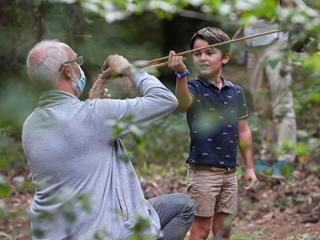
86	189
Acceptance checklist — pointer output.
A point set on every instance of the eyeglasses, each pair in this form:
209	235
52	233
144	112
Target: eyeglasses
78	60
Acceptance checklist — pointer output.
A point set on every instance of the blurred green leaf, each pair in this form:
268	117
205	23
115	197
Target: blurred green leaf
38	233
302	149
273	62
287	170
85	202
5	190
315	97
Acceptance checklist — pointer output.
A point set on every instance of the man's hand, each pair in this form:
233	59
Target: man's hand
251	178
113	66
176	62
98	90
117	65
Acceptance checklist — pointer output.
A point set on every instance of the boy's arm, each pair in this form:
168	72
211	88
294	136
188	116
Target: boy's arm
245	144
182	92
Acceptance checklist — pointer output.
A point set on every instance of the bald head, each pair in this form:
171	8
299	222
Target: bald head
45	59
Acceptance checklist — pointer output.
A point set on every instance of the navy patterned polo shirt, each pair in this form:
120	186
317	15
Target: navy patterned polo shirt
212	120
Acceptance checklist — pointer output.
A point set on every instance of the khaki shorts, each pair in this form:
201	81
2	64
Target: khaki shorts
213	190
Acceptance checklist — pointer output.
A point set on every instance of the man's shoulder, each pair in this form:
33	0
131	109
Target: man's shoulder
31	117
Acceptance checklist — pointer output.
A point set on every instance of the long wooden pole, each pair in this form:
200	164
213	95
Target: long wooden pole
153	62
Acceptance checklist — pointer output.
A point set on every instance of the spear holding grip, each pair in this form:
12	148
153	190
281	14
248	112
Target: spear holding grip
156	63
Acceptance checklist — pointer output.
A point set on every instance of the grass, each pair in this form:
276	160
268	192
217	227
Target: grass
241	236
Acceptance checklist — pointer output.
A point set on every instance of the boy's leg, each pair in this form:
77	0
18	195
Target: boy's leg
176	212
200	228
221	225
204	185
226	206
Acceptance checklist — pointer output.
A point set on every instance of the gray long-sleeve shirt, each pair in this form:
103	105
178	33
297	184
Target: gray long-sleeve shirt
73	155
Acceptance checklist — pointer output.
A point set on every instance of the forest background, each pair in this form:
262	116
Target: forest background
147	29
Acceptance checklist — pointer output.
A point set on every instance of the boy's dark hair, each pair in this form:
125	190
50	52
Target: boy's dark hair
212	35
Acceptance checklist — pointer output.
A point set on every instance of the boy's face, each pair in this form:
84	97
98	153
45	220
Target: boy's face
208	61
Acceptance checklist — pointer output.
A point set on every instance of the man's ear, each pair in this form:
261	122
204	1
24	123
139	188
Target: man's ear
67	71
225	59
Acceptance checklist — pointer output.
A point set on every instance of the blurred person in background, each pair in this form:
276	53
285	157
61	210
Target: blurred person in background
271	96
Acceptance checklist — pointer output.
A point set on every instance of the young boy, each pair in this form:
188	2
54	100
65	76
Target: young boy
217	118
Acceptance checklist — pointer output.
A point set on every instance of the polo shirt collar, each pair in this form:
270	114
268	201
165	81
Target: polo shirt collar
224	82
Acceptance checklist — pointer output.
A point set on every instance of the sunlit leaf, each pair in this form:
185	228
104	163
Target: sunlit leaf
5	190
302	149
315	97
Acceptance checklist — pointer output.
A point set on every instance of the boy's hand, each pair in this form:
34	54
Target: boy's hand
176	62
251	178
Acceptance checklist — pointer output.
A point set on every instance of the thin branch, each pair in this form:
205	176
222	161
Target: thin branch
156	62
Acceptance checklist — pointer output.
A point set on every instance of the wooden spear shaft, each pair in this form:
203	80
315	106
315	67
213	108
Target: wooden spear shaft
152	63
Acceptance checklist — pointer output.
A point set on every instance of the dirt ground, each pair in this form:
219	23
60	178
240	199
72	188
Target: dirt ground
273	209
282	209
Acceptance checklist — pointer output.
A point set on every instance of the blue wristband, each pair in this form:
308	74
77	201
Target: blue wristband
182	74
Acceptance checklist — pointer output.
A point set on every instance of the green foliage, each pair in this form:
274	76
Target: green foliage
114	10
38	233
253	9
124	125
287	170
10	156
307	147
138	229
85	202
272	62
10	151
5	189
166	142
16	101
239	236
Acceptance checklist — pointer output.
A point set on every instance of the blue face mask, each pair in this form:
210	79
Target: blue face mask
82	82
